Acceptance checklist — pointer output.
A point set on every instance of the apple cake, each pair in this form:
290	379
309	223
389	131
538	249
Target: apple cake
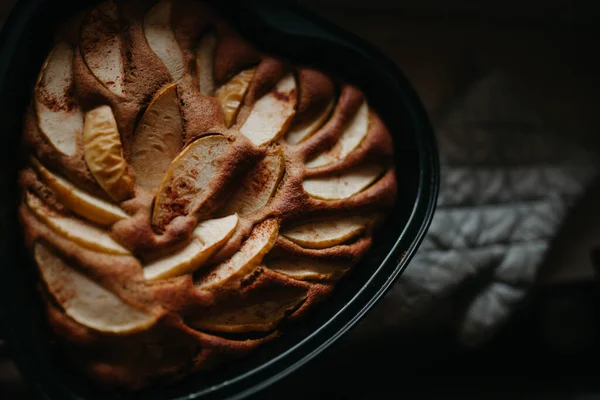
185	194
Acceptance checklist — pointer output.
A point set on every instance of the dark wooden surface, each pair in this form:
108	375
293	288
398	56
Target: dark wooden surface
550	46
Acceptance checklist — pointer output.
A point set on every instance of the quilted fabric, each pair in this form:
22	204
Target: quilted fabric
507	182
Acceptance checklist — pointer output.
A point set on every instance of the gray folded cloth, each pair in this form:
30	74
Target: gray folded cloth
507	182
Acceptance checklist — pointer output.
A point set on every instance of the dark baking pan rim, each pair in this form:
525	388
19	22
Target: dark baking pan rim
297	34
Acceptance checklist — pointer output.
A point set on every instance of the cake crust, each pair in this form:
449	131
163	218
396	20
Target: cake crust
280	146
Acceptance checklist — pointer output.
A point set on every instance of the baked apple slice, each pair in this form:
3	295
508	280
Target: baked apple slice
328	233
101	44
161	39
261	314
77	231
342	185
309	270
157	139
299	133
90	207
250	255
103	153
84	300
207	238
182	187
205	58
272	114
353	135
59	118
231	94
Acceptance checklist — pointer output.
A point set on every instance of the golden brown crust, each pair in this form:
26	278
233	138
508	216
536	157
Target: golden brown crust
192	322
232	54
269	71
317	90
190	20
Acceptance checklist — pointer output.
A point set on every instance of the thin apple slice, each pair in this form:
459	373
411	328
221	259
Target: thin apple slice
181	189
207	238
272	114
78	201
103	153
309	270
59	118
75	230
84	300
302	132
101	46
258	187
157	139
328	233
161	39
250	255
353	135
205	59
231	94
344	185
260	315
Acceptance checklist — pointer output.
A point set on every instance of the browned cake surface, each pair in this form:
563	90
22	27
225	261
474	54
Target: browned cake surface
183	186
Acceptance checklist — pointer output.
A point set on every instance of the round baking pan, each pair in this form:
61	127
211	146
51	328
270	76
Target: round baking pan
286	30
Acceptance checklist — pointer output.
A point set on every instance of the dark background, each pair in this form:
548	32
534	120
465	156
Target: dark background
551	47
